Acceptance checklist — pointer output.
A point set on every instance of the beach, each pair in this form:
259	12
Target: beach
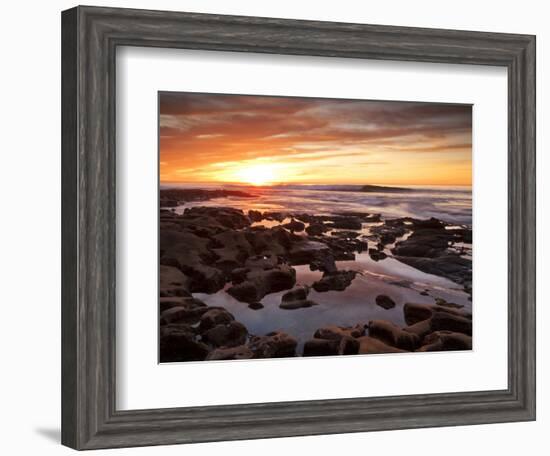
313	270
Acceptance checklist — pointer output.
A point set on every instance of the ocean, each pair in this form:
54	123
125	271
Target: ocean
450	204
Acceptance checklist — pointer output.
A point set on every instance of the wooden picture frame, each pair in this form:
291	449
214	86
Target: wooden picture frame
90	36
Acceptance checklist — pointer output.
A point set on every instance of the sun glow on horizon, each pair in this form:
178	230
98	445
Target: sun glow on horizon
261	174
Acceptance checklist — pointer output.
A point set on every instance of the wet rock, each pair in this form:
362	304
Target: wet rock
262	262
424	293
198	194
223	217
229	334
344	248
416	312
233	251
442	302
393	335
299	292
385	302
166	202
179	343
307	251
276	344
214	317
173	282
325	264
321	347
277	216
238	275
182	315
389	231
421	329
370	346
347	223
294	225
377	255
345	234
317	229
255	305
337	281
296	298
240	352
334	332
177	301
258	283
442	320
190	254
255	216
446	340
271	241
329	347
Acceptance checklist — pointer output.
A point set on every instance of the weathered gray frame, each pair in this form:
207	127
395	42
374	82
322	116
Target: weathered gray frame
90	36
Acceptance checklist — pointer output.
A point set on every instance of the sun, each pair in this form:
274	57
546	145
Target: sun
263	174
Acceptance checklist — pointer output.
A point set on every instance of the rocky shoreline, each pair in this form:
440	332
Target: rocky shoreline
208	249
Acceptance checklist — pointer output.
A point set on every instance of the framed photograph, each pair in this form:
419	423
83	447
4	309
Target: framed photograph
279	228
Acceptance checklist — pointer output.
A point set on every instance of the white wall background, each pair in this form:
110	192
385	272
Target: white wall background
30	228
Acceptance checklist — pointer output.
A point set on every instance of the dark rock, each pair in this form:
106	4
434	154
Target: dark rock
277	216
173	282
442	320
240	352
333	332
229	334
446	340
176	301
329	347
421	329
303	303
197	194
214	317
296	299
417	312
347	223
420	312
258	283
444	303
325	264
316	229
385	301
306	251
255	216
262	262
389	231
294	225
297	293
273	345
218	217
255	305
178	343
370	346
393	335
345	234
377	255
337	281
190	254
321	347
238	275
182	315
234	250
271	241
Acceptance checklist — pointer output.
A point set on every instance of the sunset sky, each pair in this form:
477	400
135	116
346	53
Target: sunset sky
268	140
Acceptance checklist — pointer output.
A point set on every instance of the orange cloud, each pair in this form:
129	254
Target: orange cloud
220	138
